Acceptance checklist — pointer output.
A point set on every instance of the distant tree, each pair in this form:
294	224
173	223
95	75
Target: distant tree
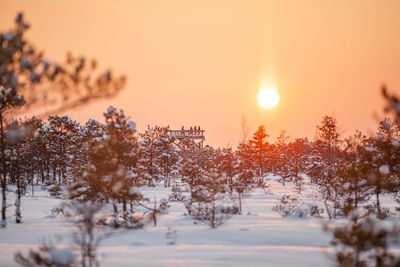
227	165
297	153
355	171
149	146
64	142
207	200
244	153
18	161
33	152
243	180
328	134
324	172
166	154
190	169
282	147
260	146
92	130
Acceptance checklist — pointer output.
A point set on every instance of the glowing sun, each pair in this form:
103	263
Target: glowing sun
268	98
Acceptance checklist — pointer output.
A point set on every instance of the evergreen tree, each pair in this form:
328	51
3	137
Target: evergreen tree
17	163
149	147
9	99
227	162
65	141
297	153
111	171
325	172
32	154
191	168
243	180
244	153
363	241
208	198
282	154
329	136
260	146
392	104
384	162
166	154
355	170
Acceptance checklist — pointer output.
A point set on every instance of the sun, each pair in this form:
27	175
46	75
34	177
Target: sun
268	98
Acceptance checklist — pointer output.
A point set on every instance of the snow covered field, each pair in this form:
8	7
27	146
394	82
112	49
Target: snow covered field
259	237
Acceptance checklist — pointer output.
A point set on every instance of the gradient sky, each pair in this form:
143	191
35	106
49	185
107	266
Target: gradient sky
203	62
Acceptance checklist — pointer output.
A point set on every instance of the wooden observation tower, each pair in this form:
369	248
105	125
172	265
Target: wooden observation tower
189	137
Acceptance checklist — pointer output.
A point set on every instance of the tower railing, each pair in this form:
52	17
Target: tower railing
196	135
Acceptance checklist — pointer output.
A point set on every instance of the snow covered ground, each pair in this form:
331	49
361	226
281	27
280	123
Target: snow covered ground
259	237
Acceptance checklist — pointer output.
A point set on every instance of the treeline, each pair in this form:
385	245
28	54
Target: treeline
109	162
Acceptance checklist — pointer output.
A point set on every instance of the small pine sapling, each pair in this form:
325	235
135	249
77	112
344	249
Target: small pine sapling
286	206
171	236
207	200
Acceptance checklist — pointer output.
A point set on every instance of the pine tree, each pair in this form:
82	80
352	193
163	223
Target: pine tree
297	153
17	163
392	104
363	242
244	153
32	153
65	140
9	99
282	154
42	159
326	173
243	180
149	148
260	146
227	162
384	160
190	168
355	171
166	154
207	199
329	136
111	171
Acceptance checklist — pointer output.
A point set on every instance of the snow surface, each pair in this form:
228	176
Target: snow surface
259	237
62	256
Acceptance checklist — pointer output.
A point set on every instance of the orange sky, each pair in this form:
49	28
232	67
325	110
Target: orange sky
203	62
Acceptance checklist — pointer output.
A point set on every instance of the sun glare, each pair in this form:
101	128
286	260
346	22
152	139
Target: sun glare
268	98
